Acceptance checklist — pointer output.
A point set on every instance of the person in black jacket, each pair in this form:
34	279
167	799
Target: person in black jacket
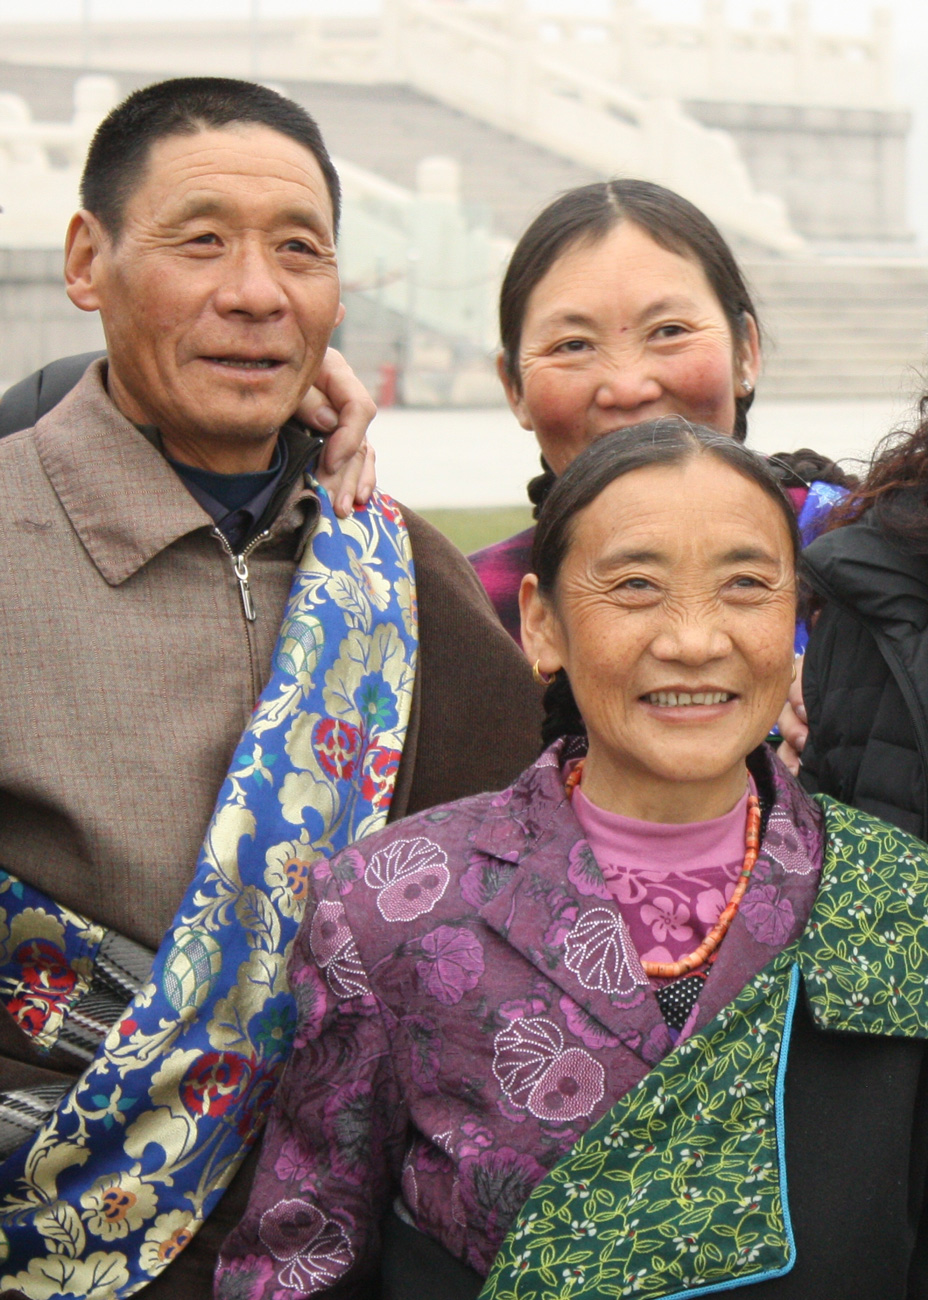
865	678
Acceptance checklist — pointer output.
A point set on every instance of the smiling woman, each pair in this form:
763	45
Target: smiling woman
559	1028
622	302
672	614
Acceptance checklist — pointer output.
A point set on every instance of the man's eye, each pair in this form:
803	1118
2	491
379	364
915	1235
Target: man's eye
205	239
298	246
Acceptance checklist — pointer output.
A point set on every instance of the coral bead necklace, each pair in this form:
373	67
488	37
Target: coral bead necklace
702	954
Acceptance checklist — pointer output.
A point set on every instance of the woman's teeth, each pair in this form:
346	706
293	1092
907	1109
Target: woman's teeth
672	699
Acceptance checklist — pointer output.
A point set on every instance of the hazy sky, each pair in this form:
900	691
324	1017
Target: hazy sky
839	15
910	18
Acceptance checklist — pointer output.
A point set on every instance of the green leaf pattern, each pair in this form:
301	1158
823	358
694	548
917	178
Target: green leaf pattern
678	1187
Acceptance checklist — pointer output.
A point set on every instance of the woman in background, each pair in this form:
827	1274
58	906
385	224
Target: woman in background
622	302
865	679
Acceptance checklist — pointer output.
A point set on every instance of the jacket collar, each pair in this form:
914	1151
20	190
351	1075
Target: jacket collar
540	910
123	499
556	911
862	955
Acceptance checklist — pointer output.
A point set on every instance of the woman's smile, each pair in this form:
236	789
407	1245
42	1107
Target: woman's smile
673	616
677	697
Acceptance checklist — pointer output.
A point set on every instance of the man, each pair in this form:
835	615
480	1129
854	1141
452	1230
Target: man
153	524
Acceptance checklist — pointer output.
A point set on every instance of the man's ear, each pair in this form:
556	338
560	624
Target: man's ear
513	393
541	629
339	315
82	246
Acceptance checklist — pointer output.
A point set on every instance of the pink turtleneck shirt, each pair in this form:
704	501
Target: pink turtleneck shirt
671	882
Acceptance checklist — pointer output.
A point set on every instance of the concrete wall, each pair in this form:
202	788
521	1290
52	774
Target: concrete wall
840	171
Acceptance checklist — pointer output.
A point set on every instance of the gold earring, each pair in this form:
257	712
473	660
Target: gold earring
538	677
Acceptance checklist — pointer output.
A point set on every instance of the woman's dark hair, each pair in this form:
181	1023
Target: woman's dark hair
123	141
895	488
589	213
799	469
670	440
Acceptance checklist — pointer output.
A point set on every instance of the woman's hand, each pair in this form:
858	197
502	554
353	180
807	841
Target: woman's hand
339	406
793	724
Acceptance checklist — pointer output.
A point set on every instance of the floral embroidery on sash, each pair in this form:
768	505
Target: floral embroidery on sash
127	1167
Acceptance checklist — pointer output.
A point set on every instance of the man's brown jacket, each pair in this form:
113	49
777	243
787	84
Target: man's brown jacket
128	673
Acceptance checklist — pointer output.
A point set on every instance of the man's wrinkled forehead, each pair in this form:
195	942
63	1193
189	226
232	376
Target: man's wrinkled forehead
209	151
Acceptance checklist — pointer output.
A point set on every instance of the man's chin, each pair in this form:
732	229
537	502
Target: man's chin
237	422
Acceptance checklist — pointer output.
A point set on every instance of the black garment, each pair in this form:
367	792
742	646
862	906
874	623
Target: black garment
865	680
30	399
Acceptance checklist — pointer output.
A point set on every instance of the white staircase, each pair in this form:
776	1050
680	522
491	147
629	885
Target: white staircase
843	329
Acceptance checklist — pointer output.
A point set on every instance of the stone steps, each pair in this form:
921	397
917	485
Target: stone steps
389	129
842	329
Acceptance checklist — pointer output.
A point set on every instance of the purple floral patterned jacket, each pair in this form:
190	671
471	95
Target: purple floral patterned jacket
469	1003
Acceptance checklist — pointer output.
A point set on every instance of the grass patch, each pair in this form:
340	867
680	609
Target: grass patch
472	529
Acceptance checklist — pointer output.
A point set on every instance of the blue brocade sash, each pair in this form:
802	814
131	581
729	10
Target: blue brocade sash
127	1166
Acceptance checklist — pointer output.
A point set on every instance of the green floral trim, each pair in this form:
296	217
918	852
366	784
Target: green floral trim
864	953
677	1186
677	1189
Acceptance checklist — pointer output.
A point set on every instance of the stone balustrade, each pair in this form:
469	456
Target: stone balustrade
710	59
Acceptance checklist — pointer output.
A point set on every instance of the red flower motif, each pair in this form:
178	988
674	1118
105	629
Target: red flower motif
31	1013
337	745
44	966
215	1082
378	778
388	508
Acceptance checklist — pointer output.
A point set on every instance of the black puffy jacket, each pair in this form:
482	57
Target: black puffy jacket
865	679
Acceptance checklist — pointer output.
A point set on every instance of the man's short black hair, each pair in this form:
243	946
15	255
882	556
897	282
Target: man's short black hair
123	141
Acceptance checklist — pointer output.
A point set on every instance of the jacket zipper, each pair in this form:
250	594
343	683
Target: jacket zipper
240	569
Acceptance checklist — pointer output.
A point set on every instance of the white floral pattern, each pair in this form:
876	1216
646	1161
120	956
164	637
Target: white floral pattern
601	954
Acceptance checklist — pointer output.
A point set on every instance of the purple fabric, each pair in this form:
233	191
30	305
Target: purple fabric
501	568
671	882
466	1010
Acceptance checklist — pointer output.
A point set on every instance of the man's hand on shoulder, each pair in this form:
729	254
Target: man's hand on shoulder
339	406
